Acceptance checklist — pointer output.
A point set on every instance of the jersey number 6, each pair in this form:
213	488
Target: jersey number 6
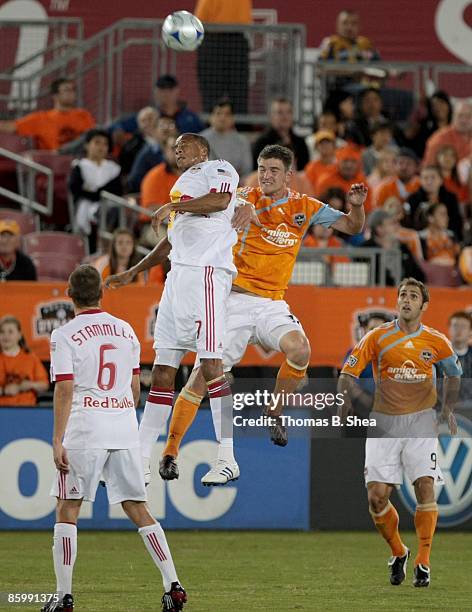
110	366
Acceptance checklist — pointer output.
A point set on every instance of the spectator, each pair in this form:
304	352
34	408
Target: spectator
151	154
341	103
460	334
370	113
346	45
89	176
384	168
155	190
54	128
223	57
281	132
325	144
168	104
22	375
406	235
434	115
404	183
346	172
121	256
438	243
224	140
320	237
382	235
458	135
446	159
432	191
14	265
381	135
147	122
465	264
327	121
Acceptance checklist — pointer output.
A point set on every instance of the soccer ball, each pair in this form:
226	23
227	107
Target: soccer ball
182	31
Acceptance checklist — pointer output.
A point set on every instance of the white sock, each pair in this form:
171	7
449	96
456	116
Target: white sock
221	404
156	414
64	552
155	541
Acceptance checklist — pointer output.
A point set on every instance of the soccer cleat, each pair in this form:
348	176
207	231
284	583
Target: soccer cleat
397	567
221	473
174	600
278	432
66	604
168	468
422	576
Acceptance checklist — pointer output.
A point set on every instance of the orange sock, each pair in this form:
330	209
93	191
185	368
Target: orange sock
387	525
426	517
289	370
184	412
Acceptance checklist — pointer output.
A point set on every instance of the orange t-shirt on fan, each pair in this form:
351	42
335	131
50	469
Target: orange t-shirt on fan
14	370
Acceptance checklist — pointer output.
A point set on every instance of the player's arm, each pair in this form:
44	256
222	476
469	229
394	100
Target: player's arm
158	255
136	389
353	222
62	407
452	385
347	386
209	203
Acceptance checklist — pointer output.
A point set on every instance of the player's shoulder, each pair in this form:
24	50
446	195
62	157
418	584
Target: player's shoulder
219	166
377	333
435	336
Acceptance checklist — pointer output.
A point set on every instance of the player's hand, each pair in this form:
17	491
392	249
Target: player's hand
447	416
119	280
60	457
244	214
11	389
357	195
158	217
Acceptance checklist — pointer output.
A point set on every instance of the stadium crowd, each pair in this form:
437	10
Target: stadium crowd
419	171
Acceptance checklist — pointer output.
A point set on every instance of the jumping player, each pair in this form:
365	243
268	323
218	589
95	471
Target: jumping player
95	365
404	354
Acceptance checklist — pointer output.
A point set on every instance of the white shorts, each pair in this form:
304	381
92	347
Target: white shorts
121	470
388	457
192	311
255	320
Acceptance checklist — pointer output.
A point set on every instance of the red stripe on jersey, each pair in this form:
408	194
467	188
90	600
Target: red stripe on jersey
61	377
136	370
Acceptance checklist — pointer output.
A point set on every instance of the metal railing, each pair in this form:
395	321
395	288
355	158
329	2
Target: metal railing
27	171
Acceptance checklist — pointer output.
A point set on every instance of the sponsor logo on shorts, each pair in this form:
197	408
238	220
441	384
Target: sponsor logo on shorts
427	355
299	219
407	372
50	316
351	361
107	402
281	236
74	491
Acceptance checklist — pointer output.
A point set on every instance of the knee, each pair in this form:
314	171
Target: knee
378	500
138	513
211	369
67	511
196	383
299	351
424	490
163	376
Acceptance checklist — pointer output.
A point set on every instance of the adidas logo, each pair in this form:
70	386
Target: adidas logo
409	344
73	491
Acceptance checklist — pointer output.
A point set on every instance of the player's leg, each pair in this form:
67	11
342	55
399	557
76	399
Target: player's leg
426	517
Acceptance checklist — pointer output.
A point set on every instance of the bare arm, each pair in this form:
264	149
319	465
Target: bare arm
157	256
136	389
209	203
346	385
452	385
353	222
62	408
7	127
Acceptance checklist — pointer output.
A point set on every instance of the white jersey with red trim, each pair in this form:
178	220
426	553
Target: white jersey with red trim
100	353
204	239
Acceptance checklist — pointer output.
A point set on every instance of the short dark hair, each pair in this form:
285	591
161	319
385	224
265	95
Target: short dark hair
223	102
200	139
85	286
461	314
415	283
281	100
276	151
99	132
434	168
167	81
54	87
380	125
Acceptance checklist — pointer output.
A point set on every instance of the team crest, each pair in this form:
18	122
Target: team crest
426	355
299	219
50	316
351	361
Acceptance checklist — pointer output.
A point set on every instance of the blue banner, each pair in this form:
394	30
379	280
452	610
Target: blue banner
273	491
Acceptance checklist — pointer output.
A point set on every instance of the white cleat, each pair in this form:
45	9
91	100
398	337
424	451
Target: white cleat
221	473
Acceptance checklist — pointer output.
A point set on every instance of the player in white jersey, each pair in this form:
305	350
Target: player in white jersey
95	365
192	310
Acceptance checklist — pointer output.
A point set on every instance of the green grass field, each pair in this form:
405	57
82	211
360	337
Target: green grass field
242	571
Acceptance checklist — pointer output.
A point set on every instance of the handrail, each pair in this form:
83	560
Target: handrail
28	202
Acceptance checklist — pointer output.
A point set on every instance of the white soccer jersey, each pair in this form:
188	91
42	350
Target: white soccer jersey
204	240
100	353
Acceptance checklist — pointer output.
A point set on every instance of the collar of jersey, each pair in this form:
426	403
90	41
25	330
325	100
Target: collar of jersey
91	311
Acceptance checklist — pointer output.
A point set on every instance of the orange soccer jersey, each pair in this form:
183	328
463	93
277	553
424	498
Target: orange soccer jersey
285	223
403	366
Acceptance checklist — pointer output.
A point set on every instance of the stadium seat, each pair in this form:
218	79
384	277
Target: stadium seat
14	143
8	177
351	274
28	222
441	276
309	273
52	268
55	243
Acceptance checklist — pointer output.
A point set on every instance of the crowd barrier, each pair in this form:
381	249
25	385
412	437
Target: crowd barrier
328	315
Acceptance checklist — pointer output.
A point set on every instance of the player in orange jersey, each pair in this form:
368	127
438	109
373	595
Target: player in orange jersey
405	355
